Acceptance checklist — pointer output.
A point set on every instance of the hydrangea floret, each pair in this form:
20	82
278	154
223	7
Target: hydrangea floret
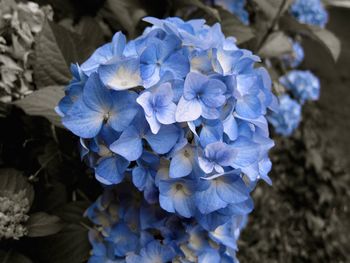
304	85
294	59
310	12
288	116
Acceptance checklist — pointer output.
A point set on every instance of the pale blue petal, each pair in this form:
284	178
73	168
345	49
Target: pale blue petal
183	204
145	100
121	74
188	110
166	115
231	127
206	165
154	124
166	203
180	166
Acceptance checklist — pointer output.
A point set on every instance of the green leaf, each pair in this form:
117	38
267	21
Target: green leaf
41	224
276	45
13	257
232	26
13	181
326	38
42	103
199	4
70	245
271	8
126	13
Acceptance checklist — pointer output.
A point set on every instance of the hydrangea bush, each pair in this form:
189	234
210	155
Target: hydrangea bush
180	112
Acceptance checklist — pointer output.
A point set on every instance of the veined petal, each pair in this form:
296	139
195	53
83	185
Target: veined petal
83	121
188	110
166	115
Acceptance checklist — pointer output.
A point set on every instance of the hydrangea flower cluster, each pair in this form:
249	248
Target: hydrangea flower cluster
129	230
302	84
236	7
294	59
310	12
181	112
288	116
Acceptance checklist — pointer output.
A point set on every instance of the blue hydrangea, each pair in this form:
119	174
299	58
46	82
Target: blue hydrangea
310	12
180	112
288	116
302	84
129	230
236	7
294	59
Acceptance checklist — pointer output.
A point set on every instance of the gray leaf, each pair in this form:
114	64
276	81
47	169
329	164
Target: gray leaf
41	224
42	103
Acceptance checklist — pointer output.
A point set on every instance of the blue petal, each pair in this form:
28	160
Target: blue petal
166	203
249	107
246	152
208	200
183	204
212	94
83	121
180	166
96	96
129	145
111	170
163	95
193	84
139	177
164	140
232	190
178	64
231	127
124	110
